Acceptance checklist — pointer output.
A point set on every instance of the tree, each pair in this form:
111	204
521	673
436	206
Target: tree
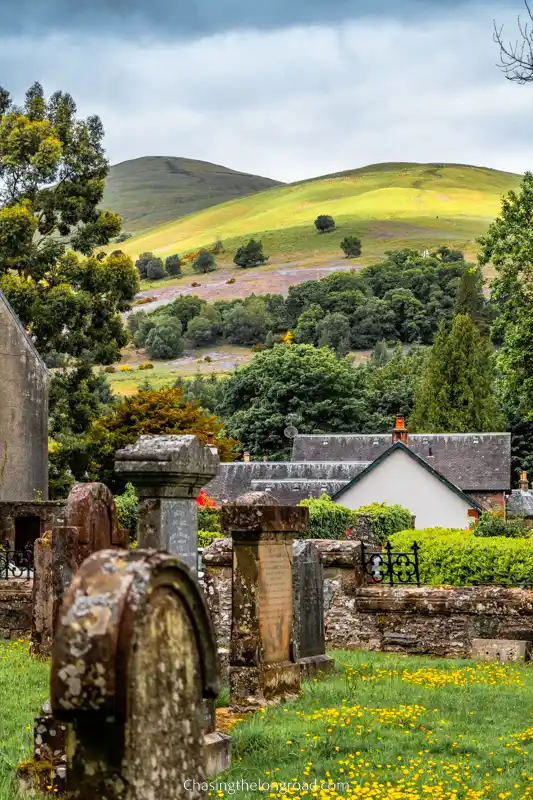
201	331
456	391
173	265
78	397
324	223
351	246
157	412
250	255
155	270
516	60
142	264
508	245
312	384
246	324
204	262
334	331
447	255
306	331
470	299
164	340
52	178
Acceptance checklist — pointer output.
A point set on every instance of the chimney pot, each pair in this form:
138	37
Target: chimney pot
210	438
522	483
246	457
400	432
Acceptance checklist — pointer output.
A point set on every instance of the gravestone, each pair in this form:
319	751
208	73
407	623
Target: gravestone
168	473
134	658
262	666
308	608
91	508
501	649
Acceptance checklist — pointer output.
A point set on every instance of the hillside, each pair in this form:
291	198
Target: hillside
387	205
149	191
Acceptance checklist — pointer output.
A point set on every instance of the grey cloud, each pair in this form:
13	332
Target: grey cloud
194	18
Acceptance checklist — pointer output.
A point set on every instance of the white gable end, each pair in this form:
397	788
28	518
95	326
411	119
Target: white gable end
401	479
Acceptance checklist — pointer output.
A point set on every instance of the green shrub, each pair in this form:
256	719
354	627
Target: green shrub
209	518
386	520
205	538
127	509
493	524
327	520
458	558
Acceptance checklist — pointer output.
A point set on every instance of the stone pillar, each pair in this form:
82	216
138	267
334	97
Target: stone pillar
134	659
168	473
262	666
308	604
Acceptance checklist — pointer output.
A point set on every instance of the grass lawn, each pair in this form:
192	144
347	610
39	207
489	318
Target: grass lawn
383	726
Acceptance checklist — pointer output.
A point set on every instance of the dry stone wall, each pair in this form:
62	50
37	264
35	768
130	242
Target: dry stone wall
15	608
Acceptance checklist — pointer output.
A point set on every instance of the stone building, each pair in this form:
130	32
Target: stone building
24	382
479	464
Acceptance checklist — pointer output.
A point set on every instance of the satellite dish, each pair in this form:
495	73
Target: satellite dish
290	432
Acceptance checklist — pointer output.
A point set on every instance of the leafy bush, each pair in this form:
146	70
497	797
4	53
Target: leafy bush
205	538
110	369
493	524
386	520
204	262
164	341
351	246
250	255
125	368
155	270
209	519
146	365
327	520
458	558
142	263
127	509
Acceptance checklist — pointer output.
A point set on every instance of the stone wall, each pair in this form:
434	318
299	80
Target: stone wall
49	512
430	620
15	608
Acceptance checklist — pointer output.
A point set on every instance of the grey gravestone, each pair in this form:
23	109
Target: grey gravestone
133	662
501	649
309	641
168	473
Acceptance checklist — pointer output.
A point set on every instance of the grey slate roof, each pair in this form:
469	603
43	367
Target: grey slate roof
520	503
472	461
291	492
236	478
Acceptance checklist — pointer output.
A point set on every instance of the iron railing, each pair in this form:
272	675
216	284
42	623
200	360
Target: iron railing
16	563
388	566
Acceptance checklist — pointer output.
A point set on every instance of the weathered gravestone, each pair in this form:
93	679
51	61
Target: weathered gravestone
134	657
308	608
262	666
168	473
501	649
90	525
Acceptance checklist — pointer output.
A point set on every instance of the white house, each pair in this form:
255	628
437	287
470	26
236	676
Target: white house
399	475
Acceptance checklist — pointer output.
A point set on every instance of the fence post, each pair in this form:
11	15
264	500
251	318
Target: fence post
388	549
415	550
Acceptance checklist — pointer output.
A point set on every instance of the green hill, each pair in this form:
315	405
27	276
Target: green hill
150	191
387	205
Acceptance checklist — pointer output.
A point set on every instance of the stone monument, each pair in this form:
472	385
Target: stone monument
168	473
134	657
308	604
262	666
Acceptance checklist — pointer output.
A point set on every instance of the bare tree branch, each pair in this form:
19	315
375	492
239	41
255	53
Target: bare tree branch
516	59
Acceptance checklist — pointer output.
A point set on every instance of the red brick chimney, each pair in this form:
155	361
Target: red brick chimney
400	432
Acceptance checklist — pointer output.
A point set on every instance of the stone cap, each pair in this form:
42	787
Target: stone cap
168	459
218	554
254	520
332	552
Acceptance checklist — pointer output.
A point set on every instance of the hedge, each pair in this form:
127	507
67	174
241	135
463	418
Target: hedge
205	538
327	520
459	558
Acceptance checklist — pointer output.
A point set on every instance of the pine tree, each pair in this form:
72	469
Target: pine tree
455	394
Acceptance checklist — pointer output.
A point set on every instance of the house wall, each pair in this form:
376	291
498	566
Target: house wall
400	479
23	414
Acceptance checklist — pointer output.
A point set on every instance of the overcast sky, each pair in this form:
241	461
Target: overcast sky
288	89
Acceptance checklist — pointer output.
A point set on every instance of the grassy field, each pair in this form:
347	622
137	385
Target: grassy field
127	381
150	191
387	205
383	726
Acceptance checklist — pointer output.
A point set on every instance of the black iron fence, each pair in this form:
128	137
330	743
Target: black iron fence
16	563
386	565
